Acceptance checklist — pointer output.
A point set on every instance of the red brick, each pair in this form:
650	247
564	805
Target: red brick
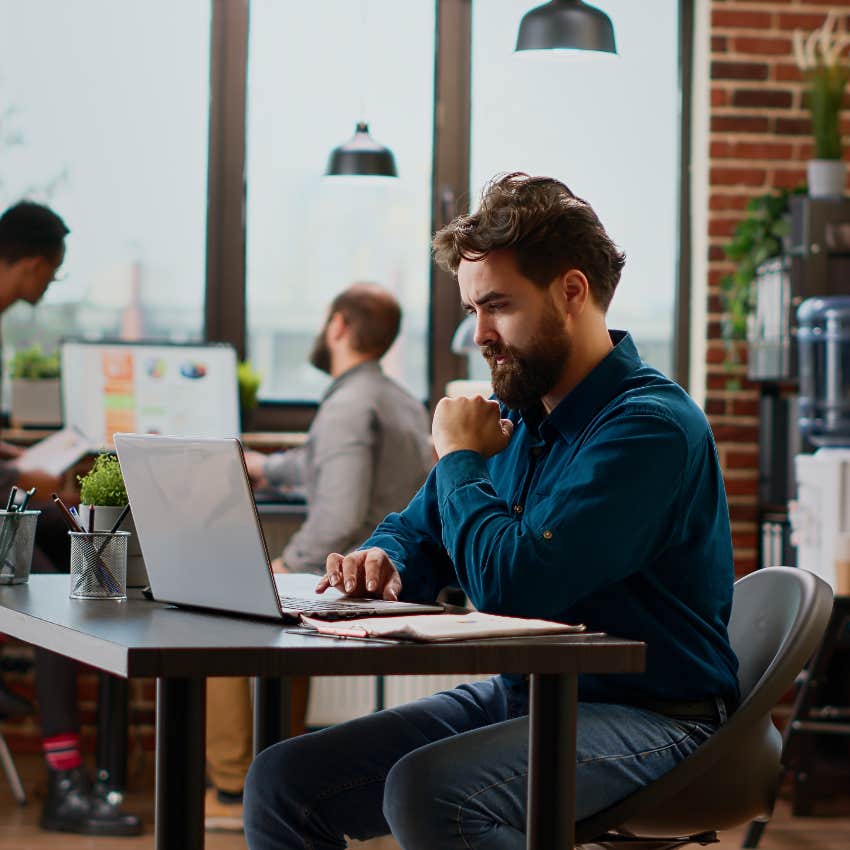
788	178
785	72
719	44
739	71
740	19
720	149
743	513
737	176
718	203
715	406
745	407
721	226
719	97
714	304
736	433
762	45
717	382
763	98
762	150
737	459
739	124
800	20
792	126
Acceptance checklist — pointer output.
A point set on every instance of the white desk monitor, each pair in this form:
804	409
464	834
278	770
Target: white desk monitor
149	388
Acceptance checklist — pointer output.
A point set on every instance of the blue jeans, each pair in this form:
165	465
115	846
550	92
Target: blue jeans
448	771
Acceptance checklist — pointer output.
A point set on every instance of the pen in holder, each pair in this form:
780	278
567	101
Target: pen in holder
17	536
99	564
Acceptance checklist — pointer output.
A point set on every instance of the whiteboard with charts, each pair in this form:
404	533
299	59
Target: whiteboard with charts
149	388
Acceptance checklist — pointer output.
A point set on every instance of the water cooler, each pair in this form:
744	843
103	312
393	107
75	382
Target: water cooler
820	515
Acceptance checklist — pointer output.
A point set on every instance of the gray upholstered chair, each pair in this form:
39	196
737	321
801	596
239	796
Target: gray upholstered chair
779	615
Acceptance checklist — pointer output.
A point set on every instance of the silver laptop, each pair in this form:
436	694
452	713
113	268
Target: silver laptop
201	538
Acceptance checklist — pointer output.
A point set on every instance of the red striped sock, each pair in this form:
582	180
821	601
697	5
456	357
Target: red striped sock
62	752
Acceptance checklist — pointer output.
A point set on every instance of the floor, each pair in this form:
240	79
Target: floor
19	825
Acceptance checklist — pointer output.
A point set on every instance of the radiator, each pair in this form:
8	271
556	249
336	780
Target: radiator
339	698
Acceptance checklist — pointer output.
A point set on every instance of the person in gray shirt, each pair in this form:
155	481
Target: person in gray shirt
369	446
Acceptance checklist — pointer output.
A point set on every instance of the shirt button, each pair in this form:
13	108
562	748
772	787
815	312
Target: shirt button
547	535
518	509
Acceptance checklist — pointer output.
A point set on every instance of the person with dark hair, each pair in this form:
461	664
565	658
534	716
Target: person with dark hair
32	248
588	492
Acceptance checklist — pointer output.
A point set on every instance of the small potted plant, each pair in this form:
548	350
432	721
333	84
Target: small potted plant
826	70
36	398
249	380
102	488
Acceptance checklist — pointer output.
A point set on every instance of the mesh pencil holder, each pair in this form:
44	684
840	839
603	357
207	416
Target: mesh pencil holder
99	565
17	535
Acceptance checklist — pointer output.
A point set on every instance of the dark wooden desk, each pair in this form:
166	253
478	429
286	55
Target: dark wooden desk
181	648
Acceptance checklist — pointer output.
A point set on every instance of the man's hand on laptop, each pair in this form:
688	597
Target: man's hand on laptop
367	572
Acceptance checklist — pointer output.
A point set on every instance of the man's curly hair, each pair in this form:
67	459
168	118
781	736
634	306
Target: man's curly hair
548	228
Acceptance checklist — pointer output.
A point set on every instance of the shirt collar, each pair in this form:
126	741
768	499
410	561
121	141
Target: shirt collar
366	366
584	401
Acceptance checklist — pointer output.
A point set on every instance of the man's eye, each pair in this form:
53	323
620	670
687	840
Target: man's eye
494	307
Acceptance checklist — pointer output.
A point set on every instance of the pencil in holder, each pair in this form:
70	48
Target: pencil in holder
99	565
17	536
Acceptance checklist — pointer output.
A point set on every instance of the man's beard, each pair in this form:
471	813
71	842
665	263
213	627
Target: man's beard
531	372
320	355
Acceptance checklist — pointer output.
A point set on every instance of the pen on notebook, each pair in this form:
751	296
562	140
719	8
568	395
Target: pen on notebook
12	493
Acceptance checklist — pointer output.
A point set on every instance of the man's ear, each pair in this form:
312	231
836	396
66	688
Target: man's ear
573	291
337	327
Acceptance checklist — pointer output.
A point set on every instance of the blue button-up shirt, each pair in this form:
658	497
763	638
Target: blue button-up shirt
610	511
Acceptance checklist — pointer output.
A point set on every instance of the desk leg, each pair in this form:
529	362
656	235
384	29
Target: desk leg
272	698
180	755
552	762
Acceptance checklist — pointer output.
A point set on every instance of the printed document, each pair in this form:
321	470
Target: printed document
56	453
440	627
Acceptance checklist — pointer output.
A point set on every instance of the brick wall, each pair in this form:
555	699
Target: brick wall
759	139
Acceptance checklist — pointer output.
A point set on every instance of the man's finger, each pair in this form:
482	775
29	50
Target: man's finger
352	566
374	569
333	572
392	588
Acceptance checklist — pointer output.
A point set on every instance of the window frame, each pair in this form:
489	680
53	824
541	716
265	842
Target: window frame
225	305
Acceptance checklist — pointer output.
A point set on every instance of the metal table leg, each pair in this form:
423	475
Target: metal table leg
552	762
272	721
180	757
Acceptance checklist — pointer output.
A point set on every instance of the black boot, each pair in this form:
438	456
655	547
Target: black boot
106	809
71	807
67	806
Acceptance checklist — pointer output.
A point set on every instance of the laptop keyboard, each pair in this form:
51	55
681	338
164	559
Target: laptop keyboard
338	609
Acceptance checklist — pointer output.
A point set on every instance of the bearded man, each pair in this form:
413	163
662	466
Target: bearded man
589	492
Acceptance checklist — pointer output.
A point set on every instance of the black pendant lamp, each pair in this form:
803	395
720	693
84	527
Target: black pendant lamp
566	25
361	156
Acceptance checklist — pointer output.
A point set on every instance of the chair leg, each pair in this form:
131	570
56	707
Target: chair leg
754	833
12	773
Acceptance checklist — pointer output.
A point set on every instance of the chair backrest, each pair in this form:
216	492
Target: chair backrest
779	615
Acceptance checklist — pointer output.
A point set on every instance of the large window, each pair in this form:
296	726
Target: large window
608	126
104	109
311	77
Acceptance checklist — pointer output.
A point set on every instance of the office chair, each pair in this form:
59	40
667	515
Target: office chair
779	616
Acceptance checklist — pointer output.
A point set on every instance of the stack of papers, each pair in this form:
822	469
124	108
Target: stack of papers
439	627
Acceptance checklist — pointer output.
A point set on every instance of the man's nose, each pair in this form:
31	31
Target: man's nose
485	334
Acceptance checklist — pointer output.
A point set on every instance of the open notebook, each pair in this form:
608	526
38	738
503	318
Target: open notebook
434	628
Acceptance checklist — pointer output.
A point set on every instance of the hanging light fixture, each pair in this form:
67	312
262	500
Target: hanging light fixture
566	25
361	155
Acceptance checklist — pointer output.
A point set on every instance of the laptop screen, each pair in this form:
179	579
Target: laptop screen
149	388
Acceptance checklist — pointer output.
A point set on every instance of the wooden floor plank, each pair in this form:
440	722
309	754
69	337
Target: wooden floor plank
19	825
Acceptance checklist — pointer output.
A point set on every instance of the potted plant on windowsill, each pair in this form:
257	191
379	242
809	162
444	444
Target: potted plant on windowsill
249	380
36	398
826	71
102	487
